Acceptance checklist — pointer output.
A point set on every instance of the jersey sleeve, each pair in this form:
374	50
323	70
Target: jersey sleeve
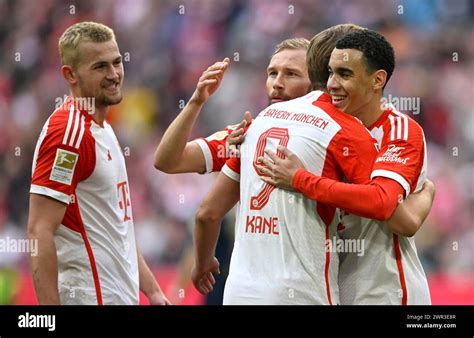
214	148
401	158
232	168
59	166
353	155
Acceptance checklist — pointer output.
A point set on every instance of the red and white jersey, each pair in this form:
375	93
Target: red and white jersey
80	163
390	271
280	254
214	150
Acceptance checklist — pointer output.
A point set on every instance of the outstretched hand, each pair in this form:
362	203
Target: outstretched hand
209	81
278	171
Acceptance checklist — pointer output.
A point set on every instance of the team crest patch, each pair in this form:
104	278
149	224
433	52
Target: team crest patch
220	135
63	167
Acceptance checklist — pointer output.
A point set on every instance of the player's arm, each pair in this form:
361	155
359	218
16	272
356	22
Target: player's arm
45	216
410	214
376	200
148	284
220	199
174	154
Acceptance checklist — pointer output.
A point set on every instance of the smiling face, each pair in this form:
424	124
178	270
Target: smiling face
287	76
350	83
100	73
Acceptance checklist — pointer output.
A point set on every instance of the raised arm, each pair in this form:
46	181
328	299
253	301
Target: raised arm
45	216
410	215
174	154
222	197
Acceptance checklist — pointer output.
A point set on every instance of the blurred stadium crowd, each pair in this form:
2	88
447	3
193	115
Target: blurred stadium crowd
166	46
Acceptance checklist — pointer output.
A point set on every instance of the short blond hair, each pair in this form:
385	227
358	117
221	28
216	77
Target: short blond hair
295	43
81	32
320	49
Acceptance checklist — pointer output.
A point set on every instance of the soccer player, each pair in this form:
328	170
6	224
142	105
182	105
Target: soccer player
390	271
80	207
287	78
226	193
279	253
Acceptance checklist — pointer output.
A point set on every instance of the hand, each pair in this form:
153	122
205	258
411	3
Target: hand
203	278
280	171
158	298
429	186
237	136
210	81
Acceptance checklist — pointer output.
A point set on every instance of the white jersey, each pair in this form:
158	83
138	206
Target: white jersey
80	163
389	271
280	254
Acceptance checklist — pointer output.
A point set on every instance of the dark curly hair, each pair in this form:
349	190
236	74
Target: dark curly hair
378	52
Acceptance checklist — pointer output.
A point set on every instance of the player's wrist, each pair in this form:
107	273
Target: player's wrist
196	100
296	178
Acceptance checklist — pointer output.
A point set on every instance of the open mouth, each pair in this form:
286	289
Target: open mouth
338	100
277	99
113	87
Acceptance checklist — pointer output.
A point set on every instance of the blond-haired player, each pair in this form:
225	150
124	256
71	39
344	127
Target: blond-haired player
80	205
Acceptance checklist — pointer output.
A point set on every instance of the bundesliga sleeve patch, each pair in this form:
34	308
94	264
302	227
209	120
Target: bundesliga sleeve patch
219	136
63	167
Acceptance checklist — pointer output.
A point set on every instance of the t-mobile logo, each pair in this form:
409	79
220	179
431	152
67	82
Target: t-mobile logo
124	199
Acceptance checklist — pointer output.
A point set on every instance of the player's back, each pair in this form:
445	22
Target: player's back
280	254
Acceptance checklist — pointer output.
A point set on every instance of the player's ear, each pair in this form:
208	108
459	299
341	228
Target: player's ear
69	74
379	78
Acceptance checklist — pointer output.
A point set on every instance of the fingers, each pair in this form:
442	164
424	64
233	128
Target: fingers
236	137
211	278
268	180
267	163
248	117
241	125
265	171
219	65
210	75
285	151
272	155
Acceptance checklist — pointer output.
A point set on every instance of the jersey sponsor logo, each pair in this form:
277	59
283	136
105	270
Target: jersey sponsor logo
63	167
262	225
124	200
393	155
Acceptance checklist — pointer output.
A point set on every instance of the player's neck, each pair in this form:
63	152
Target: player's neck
99	115
370	113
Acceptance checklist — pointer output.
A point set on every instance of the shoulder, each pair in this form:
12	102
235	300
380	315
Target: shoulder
402	127
68	127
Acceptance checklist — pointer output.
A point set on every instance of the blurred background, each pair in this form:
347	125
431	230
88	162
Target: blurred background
166	46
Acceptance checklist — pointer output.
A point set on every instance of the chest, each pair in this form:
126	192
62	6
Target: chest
110	170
